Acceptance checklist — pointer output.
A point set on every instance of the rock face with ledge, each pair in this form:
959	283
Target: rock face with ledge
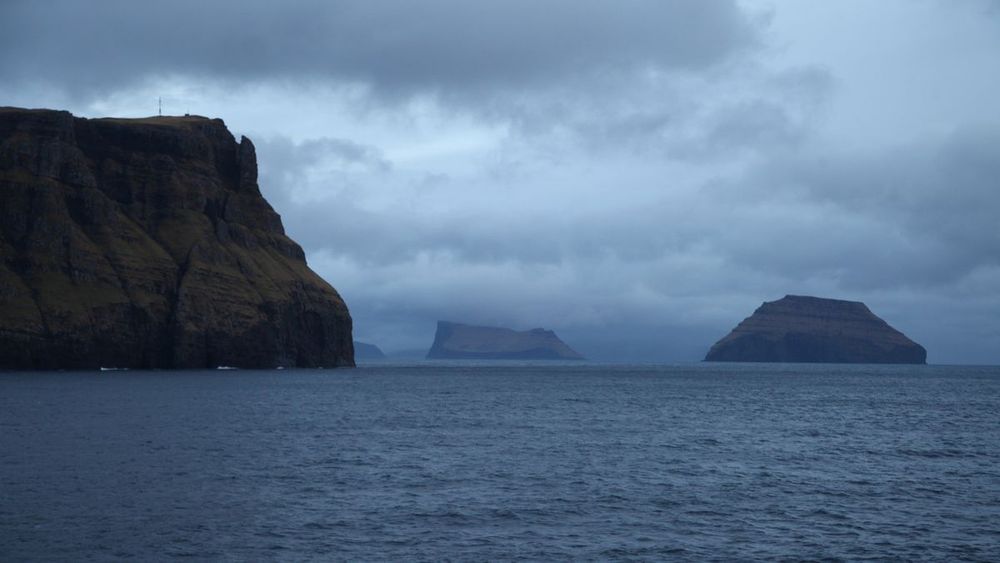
812	329
454	341
146	243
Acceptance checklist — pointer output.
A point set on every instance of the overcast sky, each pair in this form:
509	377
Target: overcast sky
638	175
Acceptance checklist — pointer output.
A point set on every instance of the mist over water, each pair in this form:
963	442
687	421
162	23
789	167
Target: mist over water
503	460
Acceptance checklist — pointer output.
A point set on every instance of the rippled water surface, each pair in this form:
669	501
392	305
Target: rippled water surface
503	461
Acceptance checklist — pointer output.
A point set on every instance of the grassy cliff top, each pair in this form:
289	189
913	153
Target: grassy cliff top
172	120
182	121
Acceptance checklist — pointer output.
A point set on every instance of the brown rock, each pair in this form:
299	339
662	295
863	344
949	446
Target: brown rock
146	243
812	329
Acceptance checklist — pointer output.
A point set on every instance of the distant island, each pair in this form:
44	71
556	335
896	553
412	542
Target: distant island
146	243
812	329
455	341
365	351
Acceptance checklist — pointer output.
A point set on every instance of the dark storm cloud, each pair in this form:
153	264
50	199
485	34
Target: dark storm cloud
396	47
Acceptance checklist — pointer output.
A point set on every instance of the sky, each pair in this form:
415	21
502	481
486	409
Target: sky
637	175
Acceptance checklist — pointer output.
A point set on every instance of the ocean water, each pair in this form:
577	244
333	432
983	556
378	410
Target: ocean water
477	461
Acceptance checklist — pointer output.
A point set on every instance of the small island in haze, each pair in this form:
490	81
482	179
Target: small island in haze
455	341
366	351
798	328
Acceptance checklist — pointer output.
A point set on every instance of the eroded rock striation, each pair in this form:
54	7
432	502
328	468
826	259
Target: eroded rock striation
146	243
812	329
456	341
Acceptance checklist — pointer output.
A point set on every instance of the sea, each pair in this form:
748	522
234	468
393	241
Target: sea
503	461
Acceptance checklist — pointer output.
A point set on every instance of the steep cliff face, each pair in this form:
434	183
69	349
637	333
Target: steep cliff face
146	243
811	329
458	341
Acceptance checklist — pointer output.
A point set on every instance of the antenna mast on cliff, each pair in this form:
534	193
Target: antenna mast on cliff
160	103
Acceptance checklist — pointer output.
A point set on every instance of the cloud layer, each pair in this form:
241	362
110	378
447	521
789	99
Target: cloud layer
397	48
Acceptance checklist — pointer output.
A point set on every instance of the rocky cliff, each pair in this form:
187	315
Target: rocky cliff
146	243
458	341
811	329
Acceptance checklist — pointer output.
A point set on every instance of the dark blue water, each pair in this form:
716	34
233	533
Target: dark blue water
503	461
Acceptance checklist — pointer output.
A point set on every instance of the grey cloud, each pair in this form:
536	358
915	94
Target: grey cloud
694	132
989	8
751	123
286	167
400	233
946	190
781	114
711	117
919	215
289	157
728	132
395	47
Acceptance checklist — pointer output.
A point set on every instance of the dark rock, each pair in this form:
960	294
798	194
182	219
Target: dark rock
146	243
459	341
364	351
811	329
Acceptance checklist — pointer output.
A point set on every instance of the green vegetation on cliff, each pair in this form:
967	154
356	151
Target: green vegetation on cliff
146	243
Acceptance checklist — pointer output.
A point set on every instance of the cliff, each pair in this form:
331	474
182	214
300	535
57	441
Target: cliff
146	243
459	341
812	329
